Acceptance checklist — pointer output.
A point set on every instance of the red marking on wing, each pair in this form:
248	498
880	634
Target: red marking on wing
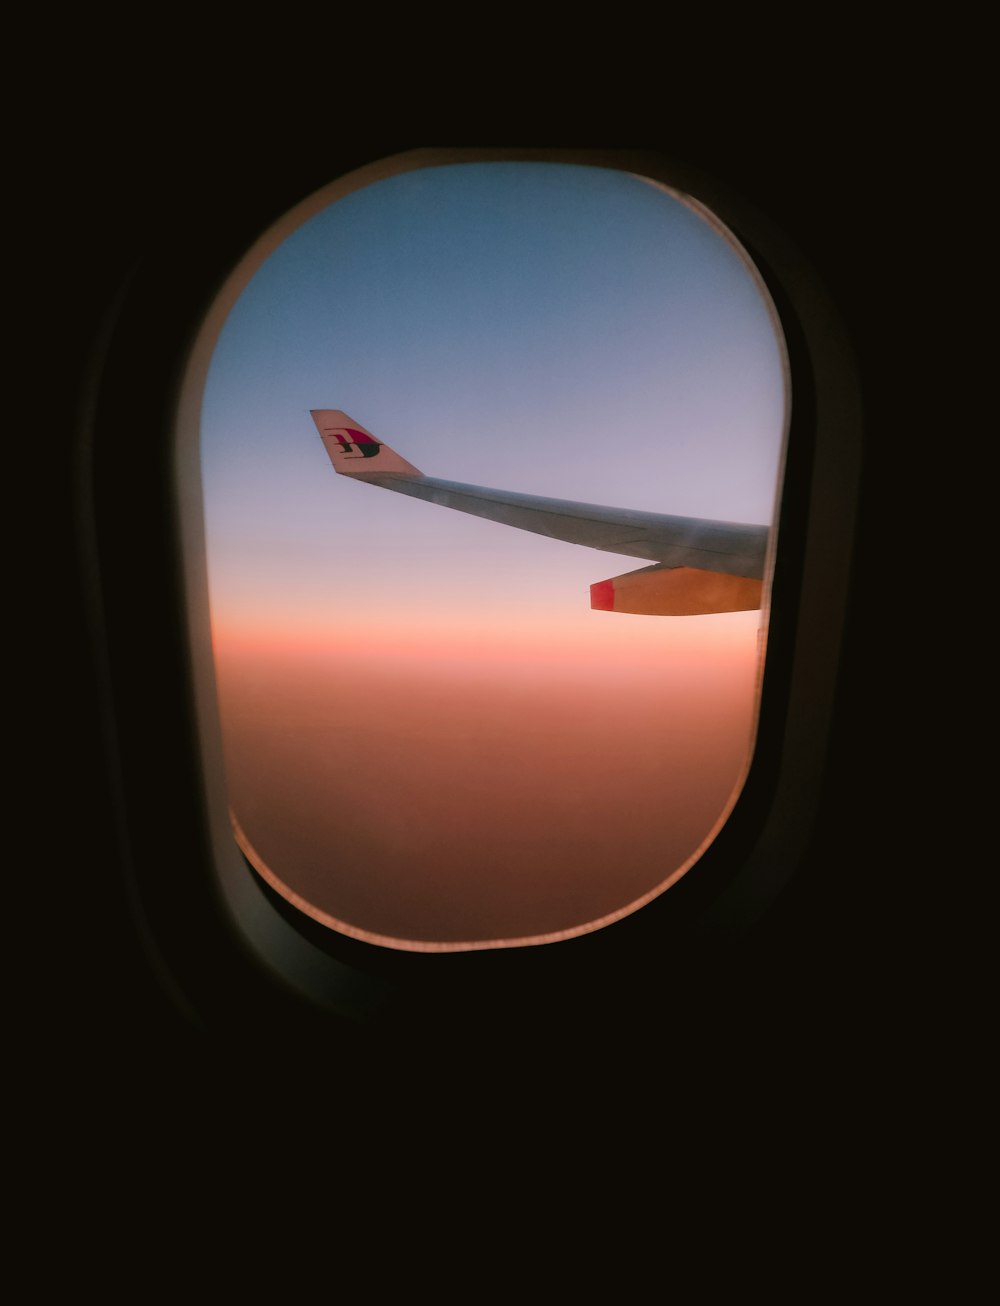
602	595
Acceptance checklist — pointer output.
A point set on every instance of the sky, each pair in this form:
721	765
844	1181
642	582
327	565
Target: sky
431	739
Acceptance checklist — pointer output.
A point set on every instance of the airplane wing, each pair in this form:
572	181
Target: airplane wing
699	565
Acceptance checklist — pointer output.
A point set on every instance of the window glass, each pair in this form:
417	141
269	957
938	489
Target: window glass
432	739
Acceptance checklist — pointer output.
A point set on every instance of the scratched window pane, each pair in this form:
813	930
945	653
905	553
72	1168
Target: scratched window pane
454	718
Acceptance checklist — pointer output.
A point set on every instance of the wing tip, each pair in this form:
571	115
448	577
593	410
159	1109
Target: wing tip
354	450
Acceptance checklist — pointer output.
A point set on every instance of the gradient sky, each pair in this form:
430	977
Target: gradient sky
422	716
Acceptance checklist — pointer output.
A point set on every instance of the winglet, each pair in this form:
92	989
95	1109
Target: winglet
355	451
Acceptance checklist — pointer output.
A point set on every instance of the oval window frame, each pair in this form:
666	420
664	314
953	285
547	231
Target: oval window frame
757	850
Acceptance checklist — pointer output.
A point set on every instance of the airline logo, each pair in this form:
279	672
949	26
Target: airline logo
354	444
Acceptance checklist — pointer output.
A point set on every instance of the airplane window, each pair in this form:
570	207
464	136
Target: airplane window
491	457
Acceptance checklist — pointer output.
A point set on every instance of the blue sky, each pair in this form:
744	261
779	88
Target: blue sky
552	328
